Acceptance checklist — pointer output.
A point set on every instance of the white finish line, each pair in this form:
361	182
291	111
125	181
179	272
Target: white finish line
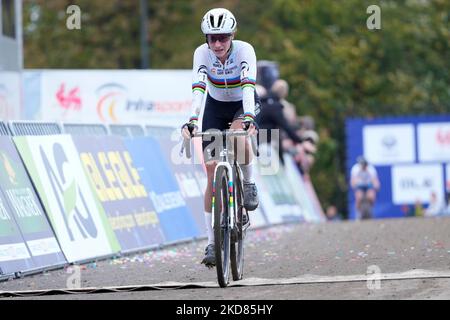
248	282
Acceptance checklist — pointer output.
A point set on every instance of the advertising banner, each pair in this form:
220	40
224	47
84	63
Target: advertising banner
189	174
10	90
409	154
434	141
156	97
276	197
120	189
175	217
14	255
300	190
26	208
412	183
389	143
69	199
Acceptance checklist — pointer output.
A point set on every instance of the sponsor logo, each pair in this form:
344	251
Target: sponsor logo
114	99
75	209
110	96
408	183
7	166
70	99
389	142
443	137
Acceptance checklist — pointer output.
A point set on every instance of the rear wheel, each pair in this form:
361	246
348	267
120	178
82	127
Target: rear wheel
222	230
366	208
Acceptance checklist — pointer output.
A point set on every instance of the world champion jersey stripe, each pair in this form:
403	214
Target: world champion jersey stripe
225	82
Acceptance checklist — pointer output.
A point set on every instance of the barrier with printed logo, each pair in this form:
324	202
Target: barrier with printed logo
177	221
69	199
305	195
277	199
26	210
189	174
104	195
121	191
14	255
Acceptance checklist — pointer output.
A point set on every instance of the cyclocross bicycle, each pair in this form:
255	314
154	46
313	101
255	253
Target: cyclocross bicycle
228	207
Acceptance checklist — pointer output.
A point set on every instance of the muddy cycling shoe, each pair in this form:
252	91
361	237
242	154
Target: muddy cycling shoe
210	257
250	196
245	220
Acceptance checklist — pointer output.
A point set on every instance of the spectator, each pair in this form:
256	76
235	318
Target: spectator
436	206
418	208
272	117
332	213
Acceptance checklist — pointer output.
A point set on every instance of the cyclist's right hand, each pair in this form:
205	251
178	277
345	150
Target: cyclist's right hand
189	129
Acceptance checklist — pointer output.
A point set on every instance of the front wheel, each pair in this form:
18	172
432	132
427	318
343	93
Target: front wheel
222	229
237	246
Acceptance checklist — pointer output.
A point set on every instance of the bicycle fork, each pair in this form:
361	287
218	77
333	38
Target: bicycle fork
231	190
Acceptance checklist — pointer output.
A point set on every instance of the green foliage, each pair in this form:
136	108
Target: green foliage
336	67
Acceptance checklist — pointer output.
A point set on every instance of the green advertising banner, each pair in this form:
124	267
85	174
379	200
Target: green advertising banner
69	199
26	208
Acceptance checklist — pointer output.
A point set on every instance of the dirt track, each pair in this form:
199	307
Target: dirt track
283	252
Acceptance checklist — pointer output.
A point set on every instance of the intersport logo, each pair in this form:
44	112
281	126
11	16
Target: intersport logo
111	95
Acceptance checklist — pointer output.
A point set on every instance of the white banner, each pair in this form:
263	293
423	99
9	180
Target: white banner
10	107
434	141
411	183
153	97
389	144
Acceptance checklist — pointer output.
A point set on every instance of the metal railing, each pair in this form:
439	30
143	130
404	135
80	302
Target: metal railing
33	128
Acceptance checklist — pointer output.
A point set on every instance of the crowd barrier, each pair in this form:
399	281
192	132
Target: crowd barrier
74	193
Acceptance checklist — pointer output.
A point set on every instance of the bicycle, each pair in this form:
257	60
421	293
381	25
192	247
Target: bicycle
228	207
365	206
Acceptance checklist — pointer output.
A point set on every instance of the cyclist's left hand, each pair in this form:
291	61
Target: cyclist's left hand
250	126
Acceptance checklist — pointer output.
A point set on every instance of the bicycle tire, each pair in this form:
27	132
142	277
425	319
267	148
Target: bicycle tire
237	247
366	209
222	237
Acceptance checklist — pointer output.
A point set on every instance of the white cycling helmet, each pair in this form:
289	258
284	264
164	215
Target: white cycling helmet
219	21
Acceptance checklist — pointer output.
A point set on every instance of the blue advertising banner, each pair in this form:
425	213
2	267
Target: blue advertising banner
409	155
26	208
175	217
189	174
121	191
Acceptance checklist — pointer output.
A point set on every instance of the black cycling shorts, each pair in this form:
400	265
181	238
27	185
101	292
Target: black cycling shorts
219	115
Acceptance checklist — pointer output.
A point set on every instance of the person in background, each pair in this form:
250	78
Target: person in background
436	206
364	182
332	213
272	116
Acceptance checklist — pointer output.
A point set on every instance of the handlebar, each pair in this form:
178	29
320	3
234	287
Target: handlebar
228	133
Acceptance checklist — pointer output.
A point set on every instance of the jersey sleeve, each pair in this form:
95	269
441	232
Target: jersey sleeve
248	80
373	171
199	79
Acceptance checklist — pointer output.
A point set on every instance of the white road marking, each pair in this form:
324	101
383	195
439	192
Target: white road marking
305	279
